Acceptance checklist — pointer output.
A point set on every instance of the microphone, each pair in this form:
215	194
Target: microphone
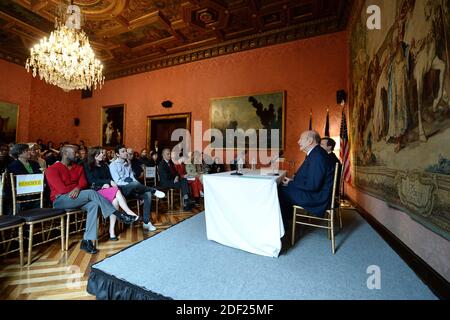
274	160
238	164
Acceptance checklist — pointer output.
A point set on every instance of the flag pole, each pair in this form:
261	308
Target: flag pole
342	169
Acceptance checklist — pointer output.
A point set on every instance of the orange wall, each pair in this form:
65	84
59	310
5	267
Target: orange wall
45	111
52	112
15	87
311	71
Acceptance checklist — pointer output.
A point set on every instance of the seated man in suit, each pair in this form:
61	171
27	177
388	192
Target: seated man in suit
68	190
123	176
312	185
328	145
170	178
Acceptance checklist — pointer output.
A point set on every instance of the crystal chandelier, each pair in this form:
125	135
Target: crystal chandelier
66	59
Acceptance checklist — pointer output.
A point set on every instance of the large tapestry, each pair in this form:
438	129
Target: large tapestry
400	108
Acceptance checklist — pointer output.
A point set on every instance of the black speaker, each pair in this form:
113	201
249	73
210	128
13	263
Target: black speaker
86	93
341	96
167	104
76	122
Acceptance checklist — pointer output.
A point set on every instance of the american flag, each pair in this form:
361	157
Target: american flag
344	152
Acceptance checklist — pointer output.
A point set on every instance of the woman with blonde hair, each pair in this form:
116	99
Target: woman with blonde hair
35	155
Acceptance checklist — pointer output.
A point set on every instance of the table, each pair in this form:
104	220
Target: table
243	212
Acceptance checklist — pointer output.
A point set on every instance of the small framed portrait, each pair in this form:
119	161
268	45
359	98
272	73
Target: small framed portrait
113	125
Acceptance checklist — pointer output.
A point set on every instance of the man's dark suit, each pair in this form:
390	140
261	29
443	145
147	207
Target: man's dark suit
312	185
167	174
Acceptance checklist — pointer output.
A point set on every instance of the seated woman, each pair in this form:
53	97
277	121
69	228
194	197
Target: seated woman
99	177
195	170
35	155
23	164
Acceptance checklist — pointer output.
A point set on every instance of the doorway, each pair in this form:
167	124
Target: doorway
160	128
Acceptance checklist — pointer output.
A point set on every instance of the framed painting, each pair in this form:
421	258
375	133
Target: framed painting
9	114
247	117
113	125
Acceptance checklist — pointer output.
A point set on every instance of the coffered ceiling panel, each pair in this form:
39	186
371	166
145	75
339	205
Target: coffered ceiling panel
132	36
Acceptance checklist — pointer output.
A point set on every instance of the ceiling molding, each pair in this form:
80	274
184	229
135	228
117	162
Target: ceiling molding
134	36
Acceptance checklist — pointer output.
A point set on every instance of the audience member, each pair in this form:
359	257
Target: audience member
145	159
328	145
217	166
99	178
35	155
171	179
136	165
67	184
154	159
5	158
123	176
195	186
23	164
312	185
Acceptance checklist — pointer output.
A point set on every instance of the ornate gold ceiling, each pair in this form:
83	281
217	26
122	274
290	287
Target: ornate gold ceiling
133	36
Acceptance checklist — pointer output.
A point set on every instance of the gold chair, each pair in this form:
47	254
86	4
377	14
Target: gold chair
330	212
149	174
79	217
9	224
39	215
169	195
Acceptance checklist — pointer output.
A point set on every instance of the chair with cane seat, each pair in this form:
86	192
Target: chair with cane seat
324	223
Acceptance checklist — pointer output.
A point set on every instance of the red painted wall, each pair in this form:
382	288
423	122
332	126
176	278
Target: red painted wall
45	111
311	71
15	87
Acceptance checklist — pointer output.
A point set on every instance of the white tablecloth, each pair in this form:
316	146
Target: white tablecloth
243	211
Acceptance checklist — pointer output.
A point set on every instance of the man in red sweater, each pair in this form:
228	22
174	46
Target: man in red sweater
67	191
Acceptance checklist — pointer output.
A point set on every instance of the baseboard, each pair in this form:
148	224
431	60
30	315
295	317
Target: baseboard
438	284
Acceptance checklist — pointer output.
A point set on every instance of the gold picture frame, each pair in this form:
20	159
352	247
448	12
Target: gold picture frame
252	111
175	116
9	121
112	128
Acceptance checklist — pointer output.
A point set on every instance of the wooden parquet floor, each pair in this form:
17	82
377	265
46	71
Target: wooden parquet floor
56	275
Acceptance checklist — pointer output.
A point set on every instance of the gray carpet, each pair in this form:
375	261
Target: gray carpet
181	263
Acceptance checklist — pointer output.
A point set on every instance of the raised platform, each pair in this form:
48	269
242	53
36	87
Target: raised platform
180	263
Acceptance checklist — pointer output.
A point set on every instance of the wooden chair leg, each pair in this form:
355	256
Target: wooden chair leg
42	231
332	239
3	238
68	231
30	243
294	222
21	245
62	234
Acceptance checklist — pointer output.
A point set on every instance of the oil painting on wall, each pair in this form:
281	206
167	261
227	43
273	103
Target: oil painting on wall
8	122
400	108
242	114
112	125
